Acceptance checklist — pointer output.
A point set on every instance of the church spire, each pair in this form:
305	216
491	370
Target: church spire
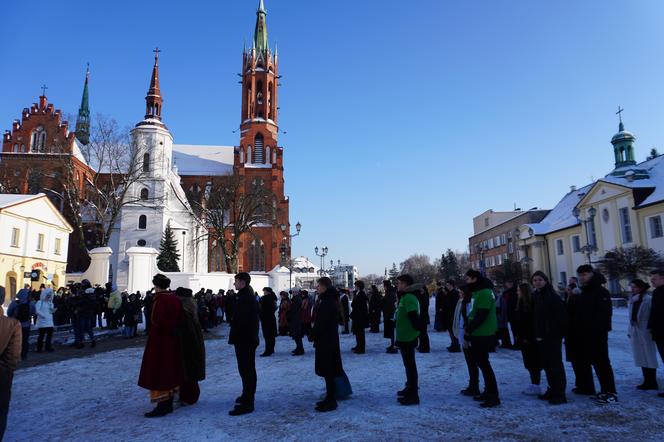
623	144
83	118
260	33
153	99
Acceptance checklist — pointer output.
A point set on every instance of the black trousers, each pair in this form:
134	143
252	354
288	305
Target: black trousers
551	355
480	347
388	330
424	340
246	366
473	369
6	378
360	339
270	341
25	341
595	356
48	331
330	393
408	357
298	344
660	348
532	361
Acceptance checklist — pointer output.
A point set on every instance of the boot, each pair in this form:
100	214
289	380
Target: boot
649	379
410	399
490	402
326	406
471	391
162	409
241	409
93	344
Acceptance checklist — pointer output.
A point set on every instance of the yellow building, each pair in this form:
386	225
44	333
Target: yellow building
623	209
34	239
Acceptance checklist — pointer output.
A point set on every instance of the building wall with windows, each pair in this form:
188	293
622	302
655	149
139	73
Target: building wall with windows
34	238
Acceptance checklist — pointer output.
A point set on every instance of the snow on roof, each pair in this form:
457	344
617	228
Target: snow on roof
203	160
78	153
561	217
9	199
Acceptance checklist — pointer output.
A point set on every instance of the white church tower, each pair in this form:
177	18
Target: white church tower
157	198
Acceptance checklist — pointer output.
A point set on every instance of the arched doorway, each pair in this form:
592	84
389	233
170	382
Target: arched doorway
11	288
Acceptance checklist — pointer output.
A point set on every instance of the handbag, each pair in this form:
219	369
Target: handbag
342	387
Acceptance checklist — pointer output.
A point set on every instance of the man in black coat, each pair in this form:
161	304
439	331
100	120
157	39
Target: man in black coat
268	307
549	322
423	299
449	307
345	311
325	336
590	312
244	336
295	324
360	316
389	309
656	321
375	309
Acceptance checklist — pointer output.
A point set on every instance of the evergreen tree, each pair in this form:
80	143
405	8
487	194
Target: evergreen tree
393	272
168	258
453	269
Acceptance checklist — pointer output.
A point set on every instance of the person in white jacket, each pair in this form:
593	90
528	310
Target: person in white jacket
44	309
643	346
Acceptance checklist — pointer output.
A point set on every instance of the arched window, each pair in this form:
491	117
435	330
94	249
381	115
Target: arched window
16	148
144	194
259	150
23	148
38	140
142	222
257	256
267	154
249	155
146	162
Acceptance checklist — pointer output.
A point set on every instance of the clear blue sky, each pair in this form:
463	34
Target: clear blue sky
405	118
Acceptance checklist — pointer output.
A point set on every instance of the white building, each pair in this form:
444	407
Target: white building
34	239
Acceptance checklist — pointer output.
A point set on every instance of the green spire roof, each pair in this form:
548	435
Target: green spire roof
83	119
260	33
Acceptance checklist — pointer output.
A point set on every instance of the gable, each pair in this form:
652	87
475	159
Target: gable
602	191
40	209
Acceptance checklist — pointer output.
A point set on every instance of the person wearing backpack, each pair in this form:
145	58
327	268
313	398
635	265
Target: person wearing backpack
22	310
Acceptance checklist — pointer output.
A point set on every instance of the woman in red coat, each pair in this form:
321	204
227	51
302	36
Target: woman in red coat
162	369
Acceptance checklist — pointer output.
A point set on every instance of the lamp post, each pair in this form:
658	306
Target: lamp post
589	227
284	249
321	255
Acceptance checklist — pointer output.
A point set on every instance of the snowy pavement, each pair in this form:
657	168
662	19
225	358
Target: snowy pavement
97	398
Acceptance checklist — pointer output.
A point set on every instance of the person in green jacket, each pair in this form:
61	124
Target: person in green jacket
408	331
481	331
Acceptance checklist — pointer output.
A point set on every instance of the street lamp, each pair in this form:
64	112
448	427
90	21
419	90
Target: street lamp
589	226
283	249
322	255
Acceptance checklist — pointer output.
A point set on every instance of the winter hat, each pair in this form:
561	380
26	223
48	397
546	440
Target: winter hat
161	281
183	292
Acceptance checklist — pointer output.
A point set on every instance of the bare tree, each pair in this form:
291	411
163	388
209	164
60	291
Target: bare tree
420	268
230	207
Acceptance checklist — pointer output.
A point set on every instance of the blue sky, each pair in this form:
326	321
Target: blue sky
404	119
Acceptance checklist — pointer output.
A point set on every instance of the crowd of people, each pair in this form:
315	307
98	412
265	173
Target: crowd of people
530	317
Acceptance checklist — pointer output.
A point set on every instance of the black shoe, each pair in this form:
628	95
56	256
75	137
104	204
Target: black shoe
490	403
298	353
359	352
558	400
605	398
480	397
404	392
583	392
238	400
325	406
660	395
411	399
354	348
647	387
426	350
454	349
241	409
545	397
79	345
471	391
392	350
162	409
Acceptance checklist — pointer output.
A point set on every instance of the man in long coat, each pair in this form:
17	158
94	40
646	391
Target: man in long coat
360	316
244	336
325	336
268	307
162	370
192	347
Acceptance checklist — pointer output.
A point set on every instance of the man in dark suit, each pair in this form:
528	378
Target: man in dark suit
244	336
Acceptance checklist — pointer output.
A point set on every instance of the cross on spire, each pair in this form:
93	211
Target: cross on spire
156	51
43	88
619	113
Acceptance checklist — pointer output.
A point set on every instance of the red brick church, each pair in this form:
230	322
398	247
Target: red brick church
42	133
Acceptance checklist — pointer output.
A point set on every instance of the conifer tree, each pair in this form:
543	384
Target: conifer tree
168	258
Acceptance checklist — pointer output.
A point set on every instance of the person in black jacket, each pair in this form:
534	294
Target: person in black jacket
268	307
423	340
389	308
587	345
360	316
244	336
656	320
549	321
325	336
449	306
345	311
375	309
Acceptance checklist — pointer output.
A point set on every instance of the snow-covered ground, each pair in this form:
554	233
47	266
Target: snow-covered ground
96	398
